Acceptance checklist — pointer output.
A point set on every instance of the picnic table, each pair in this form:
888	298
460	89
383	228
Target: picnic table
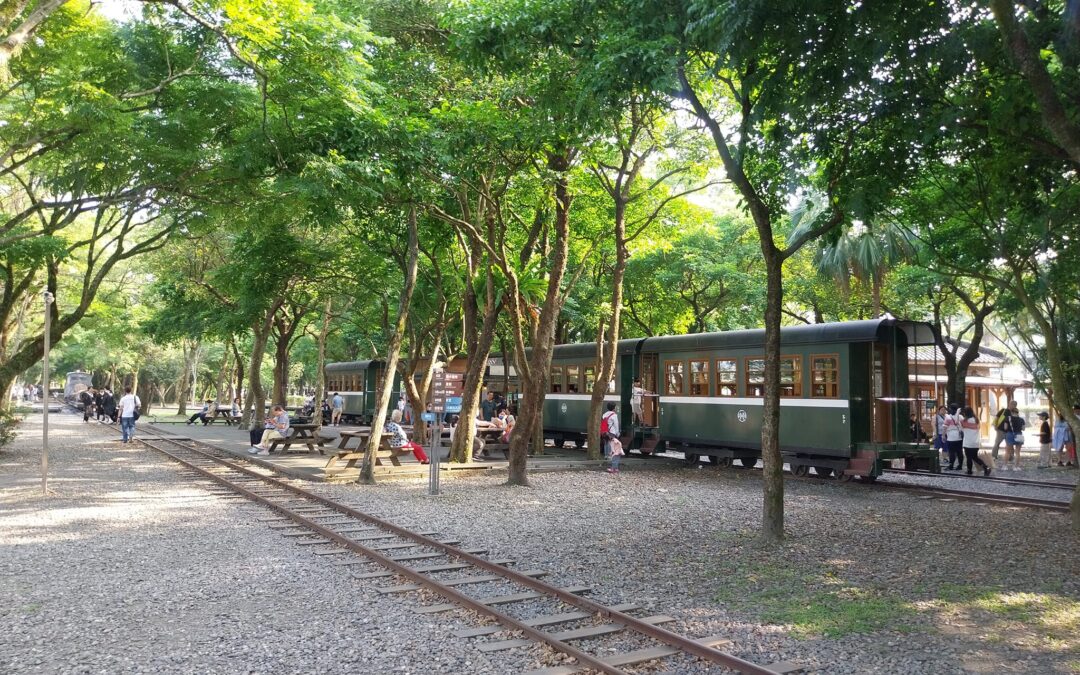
300	434
223	413
354	454
491	440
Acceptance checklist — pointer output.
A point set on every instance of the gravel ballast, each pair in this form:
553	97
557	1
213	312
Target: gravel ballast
133	568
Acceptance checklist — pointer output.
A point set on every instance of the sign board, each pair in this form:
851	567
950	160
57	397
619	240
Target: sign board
446	391
453	404
428	417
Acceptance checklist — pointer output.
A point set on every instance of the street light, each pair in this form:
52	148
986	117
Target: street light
48	297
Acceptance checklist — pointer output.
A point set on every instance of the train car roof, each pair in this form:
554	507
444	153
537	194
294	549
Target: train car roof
873	330
351	365
587	350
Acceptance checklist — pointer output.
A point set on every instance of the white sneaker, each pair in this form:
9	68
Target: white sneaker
263	453
253	450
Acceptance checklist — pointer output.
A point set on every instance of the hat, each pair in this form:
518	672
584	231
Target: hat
1044	415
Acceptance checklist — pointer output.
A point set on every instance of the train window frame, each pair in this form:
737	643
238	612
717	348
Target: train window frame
573	386
690	377
682	377
751	386
588	380
835	383
734	381
556	372
797	384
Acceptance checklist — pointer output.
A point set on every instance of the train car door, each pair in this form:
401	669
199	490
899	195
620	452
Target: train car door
881	387
649	383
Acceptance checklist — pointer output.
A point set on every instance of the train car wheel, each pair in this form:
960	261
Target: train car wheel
748	462
692	459
844	477
800	469
579	443
869	479
823	471
722	462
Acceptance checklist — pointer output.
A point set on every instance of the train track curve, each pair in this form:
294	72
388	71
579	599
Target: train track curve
305	514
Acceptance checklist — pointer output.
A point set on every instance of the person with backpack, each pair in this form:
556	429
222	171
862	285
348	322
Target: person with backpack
1014	438
970	425
1001	427
954	439
609	436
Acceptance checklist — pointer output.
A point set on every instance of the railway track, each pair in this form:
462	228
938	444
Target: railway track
332	528
994	479
981	497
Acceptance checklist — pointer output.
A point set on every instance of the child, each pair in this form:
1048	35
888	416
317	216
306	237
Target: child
1045	437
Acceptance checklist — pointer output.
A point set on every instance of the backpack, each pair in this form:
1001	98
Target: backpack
1001	422
604	424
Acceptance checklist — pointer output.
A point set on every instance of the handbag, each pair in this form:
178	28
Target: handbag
136	414
1018	439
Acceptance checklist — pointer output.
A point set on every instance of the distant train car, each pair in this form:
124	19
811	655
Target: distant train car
76	383
357	382
843	388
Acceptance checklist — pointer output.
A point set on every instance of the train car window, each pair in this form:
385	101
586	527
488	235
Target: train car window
791	376
573	379
590	379
556	380
825	376
755	377
699	378
726	377
674	374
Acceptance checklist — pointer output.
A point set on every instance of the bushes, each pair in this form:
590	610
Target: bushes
9	421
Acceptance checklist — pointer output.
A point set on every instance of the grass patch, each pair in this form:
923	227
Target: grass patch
812	604
1043	617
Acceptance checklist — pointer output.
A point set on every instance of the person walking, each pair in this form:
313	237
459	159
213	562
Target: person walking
609	433
1046	437
129	411
954	439
337	406
86	397
108	404
1014	438
970	424
399	439
277	425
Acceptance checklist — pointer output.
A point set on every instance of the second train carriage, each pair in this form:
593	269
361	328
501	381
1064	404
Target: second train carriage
843	405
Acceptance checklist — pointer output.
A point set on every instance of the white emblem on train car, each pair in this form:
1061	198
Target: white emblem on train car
562	407
742	415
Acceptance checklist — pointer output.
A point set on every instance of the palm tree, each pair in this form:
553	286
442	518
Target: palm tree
866	252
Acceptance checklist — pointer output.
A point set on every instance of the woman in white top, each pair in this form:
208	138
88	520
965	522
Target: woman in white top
970	425
954	439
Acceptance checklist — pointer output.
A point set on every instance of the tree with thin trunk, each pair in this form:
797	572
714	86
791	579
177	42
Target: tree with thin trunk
409	263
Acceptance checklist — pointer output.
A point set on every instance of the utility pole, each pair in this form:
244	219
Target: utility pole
48	297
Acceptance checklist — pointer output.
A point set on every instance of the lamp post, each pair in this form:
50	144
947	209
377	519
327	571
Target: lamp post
48	297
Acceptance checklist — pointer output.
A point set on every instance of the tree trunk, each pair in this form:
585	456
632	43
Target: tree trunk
607	341
182	388
534	375
281	366
480	335
772	525
1055	117
320	374
393	349
240	368
222	378
255	402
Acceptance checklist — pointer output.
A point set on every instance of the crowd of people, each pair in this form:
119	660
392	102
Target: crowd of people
956	435
100	404
28	393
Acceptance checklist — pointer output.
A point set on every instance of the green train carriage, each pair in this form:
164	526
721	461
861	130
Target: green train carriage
843	410
357	382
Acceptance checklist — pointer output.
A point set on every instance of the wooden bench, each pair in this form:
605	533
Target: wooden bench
224	414
299	434
353	455
491	441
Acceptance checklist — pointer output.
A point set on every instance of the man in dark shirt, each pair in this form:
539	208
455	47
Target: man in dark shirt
487	407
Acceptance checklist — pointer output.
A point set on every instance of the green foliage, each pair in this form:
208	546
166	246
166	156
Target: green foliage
9	423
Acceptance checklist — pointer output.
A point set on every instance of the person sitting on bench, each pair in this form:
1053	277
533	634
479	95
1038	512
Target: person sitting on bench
277	426
203	414
399	439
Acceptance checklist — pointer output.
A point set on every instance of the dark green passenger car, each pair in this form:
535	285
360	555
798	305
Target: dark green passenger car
844	403
357	382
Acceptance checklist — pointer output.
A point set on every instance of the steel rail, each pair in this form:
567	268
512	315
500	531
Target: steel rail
993	479
680	642
1006	500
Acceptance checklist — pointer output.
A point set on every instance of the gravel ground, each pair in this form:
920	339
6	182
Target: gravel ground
951	481
131	568
156	575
